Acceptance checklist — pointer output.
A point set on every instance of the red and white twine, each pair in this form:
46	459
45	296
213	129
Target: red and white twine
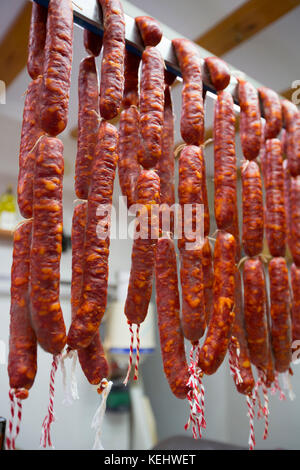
251	440
195	395
130	360
13	433
49	418
276	388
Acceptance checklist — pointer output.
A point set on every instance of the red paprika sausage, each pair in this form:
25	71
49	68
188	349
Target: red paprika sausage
253	209
208	278
295	219
205	201
192	111
30	134
129	147
293	146
218	334
295	281
274	186
224	161
166	165
287	202
88	124
218	71
151	106
144	248
22	358
91	358
149	29
255	312
112	67
271	106
250	119
291	137
280	313
92	42
54	100
131	80
168	311
46	247
37	38
96	249
289	111
239	335
191	273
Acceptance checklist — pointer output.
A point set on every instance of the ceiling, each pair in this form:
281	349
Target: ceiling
271	56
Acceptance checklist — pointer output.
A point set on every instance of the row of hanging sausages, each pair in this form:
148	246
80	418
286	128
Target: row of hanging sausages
214	298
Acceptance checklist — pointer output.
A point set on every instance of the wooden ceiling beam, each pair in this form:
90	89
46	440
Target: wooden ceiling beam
243	23
13	47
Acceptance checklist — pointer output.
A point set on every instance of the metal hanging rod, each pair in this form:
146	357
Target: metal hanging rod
88	15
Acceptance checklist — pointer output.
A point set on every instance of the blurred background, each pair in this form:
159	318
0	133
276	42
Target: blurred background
259	37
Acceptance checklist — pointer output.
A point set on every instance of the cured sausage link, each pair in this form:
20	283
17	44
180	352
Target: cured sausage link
250	119
37	38
143	249
218	71
131	80
149	29
255	312
30	134
151	106
22	358
280	313
253	210
275	211
129	147
96	249
166	163
112	67
46	247
92	42
295	281
295	219
54	100
218	334
239	334
192	111
91	358
88	124
272	112
191	273
224	161
168	311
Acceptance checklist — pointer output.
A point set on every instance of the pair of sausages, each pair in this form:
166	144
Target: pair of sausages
213	351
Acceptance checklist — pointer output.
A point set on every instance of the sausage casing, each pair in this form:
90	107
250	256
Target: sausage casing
46	247
218	335
22	358
168	311
280	313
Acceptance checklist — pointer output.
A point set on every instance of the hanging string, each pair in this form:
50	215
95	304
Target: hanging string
265	410
104	389
287	385
49	418
72	394
18	425
74	387
137	359
251	440
9	437
276	388
130	353
195	395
